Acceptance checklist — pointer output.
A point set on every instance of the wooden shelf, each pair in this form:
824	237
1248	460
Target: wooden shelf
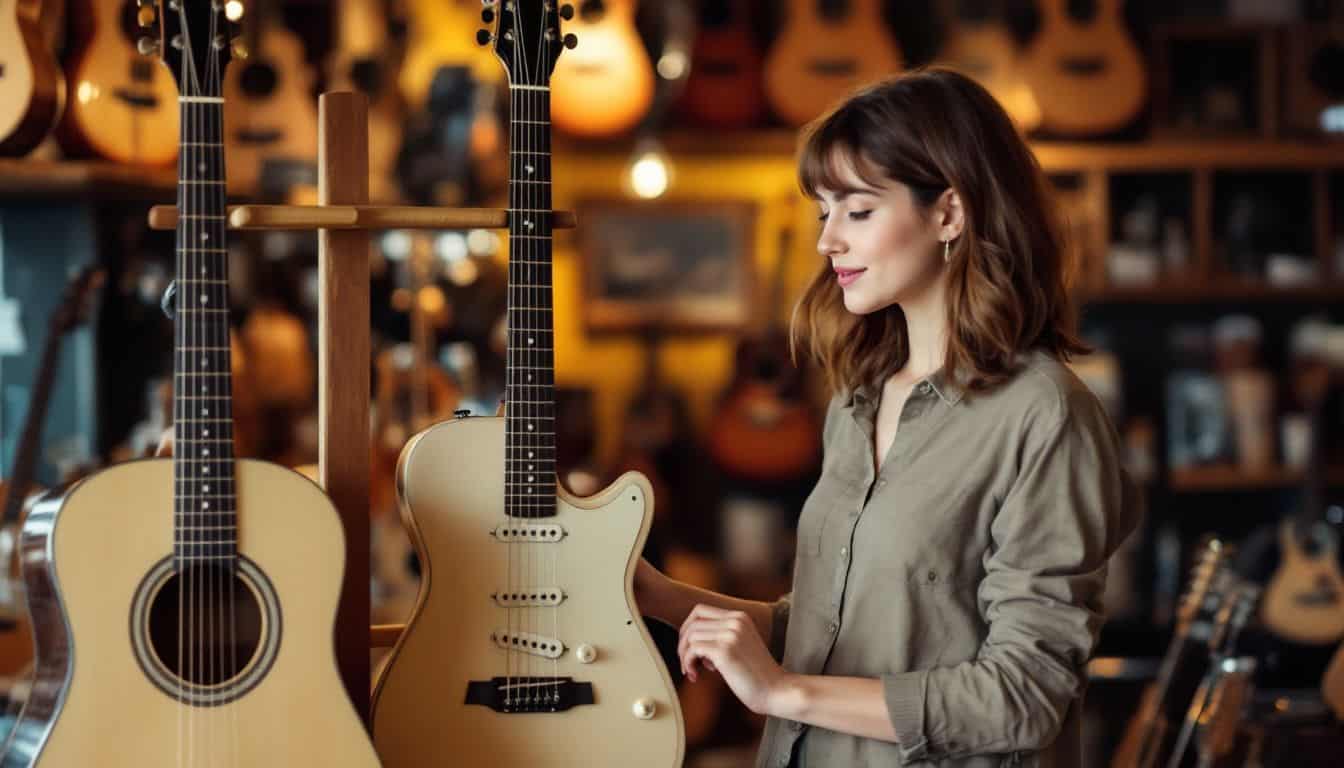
1054	156
45	178
1190	291
1233	478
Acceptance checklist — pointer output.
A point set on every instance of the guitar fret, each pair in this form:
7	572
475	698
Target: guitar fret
531	237
533	122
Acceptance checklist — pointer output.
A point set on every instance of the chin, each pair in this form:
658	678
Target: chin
859	304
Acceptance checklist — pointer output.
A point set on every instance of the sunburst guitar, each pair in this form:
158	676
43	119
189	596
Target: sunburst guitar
525	647
183	608
122	106
826	49
604	87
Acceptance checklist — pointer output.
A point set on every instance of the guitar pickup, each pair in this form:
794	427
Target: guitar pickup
530	598
520	533
525	642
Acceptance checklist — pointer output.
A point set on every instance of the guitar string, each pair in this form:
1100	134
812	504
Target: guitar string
511	406
525	394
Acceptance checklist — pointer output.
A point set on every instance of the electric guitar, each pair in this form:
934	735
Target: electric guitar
529	586
272	115
16	637
204	637
605	86
980	46
1083	69
724	88
122	106
1152	731
826	49
32	89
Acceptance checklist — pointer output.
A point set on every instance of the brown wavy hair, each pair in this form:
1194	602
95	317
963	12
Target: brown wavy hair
932	129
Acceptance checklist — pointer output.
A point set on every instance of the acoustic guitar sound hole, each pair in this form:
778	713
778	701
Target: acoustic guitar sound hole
258	80
205	624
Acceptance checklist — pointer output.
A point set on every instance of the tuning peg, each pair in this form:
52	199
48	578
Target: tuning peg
483	37
571	40
488	15
146	16
566	12
239	47
147	46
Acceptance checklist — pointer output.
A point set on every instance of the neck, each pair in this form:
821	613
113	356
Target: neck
926	328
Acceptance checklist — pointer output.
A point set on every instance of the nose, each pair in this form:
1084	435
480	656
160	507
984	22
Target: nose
829	242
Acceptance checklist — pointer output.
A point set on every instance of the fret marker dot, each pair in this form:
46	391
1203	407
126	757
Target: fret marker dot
531	340
205	452
205	389
530	467
529	427
205	299
205	489
200	167
205	361
204	271
530	478
205	236
529	377
205	505
205	411
205	432
530	454
205	470
530	169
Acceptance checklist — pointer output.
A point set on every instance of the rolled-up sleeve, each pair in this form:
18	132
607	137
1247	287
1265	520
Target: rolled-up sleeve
1069	508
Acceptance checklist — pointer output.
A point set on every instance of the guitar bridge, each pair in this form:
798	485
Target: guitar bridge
524	695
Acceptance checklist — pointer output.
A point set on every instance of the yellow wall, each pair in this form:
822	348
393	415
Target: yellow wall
698	366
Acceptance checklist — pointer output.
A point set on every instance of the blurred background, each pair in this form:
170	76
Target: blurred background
1195	149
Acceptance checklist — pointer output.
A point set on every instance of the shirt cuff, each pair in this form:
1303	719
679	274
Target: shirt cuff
905	694
779	626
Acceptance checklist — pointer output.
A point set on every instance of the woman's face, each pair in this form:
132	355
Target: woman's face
883	249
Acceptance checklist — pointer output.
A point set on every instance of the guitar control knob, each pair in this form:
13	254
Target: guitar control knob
147	46
571	40
566	12
483	37
586	654
644	709
462	413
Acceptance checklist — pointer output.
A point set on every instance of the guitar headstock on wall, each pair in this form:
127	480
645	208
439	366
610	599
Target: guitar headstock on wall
194	38
77	302
526	38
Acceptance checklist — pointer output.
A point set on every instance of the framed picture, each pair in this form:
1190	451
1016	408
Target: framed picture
674	265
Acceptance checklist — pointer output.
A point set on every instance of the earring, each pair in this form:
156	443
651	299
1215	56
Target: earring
947	251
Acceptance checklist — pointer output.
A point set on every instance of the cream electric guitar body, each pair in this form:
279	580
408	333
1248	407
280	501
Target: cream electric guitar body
183	608
525	647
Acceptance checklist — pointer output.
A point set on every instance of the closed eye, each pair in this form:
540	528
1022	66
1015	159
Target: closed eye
859	215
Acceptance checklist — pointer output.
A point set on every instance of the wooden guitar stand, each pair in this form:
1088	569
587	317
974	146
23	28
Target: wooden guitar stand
343	220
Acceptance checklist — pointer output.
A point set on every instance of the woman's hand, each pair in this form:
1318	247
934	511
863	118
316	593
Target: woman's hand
728	641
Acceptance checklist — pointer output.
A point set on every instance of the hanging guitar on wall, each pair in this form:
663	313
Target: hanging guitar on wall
605	86
32	88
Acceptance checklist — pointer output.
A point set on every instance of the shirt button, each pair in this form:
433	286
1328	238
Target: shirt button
844	551
924	388
933	576
833	627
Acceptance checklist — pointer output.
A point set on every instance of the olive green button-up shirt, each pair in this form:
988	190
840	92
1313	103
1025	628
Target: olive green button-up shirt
966	574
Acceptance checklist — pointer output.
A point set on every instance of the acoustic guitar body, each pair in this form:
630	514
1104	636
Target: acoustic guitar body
272	114
443	34
123	105
605	86
451	487
1087	76
984	50
827	49
103	590
32	88
724	88
1304	601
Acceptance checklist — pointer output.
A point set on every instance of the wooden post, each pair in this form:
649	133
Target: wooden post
343	360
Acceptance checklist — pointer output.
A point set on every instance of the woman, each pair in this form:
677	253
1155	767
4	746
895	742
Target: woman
952	557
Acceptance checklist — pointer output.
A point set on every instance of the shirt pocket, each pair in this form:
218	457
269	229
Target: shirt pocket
930	533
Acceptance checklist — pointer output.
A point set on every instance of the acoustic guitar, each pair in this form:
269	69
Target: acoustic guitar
365	60
443	34
1152	732
980	46
827	49
1083	68
272	115
122	106
1304	601
32	88
763	429
605	86
724	88
531	587
16	637
204	635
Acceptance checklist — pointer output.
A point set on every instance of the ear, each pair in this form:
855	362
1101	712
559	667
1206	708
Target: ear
949	215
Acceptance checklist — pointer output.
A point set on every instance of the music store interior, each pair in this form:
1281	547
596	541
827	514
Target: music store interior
1195	150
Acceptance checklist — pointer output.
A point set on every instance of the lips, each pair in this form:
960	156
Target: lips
846	276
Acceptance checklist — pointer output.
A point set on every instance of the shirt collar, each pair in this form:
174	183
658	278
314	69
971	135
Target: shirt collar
949	388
